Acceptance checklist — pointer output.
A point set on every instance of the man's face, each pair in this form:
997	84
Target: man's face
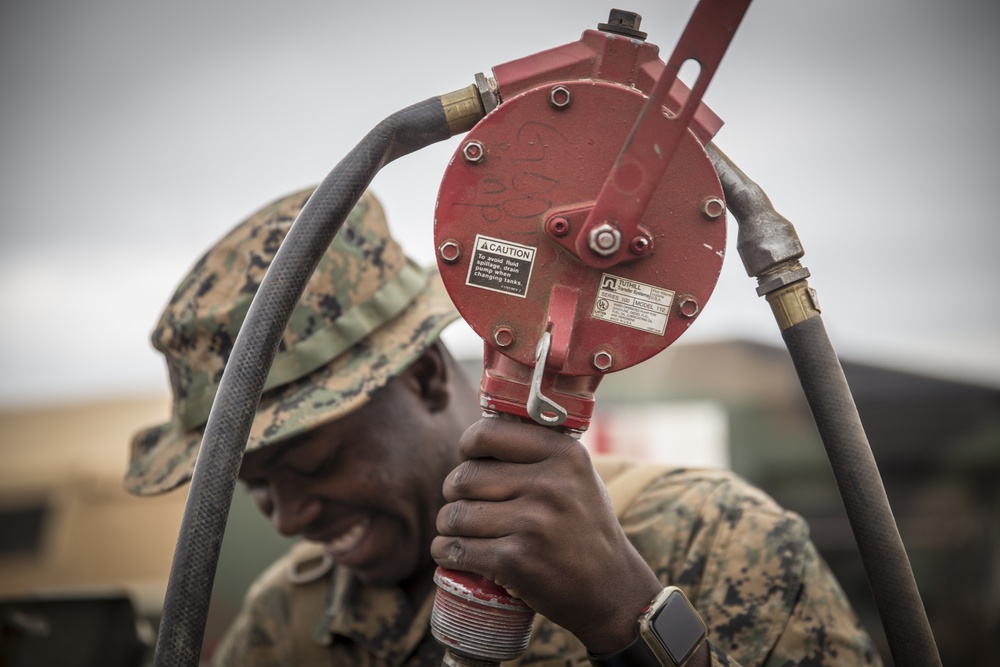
367	486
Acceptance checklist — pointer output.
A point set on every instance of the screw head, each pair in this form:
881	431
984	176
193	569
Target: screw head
603	360
473	152
449	251
559	226
713	208
605	239
640	245
503	336
560	97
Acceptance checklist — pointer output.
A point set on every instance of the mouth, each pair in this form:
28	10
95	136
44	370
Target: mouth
348	539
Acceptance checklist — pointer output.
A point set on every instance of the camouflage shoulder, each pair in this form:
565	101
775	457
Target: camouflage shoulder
733	550
280	611
683	508
694	486
748	566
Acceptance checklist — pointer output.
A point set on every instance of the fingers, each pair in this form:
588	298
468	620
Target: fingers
498	481
469	518
488	479
466	555
496	540
526	510
500	561
505	459
514	441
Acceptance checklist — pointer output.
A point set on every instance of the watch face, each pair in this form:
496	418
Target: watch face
678	627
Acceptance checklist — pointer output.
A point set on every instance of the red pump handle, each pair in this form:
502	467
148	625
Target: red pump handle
657	132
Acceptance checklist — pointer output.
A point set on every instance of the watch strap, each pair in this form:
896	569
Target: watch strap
636	654
671	623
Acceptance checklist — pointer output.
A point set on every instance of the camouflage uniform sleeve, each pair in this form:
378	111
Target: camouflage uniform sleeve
822	626
749	568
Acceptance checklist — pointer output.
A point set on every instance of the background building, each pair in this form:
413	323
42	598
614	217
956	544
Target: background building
68	529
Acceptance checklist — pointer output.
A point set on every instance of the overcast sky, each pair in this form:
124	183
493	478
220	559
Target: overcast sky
134	134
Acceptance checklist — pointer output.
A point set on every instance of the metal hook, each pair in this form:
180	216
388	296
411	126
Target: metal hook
540	408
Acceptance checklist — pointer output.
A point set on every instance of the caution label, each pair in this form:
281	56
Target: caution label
501	266
633	304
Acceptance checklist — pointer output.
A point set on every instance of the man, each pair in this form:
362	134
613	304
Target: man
369	443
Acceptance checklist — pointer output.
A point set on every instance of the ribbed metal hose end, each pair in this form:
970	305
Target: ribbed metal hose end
478	622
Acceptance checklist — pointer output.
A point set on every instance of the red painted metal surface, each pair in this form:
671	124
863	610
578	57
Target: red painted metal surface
657	133
538	159
473	616
523	262
601	56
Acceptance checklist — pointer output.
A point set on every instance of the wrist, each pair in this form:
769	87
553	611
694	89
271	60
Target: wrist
617	627
668	632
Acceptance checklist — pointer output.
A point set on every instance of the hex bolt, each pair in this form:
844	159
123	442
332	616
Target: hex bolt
688	306
450	251
559	226
623	23
605	239
560	97
603	360
487	87
639	245
473	152
713	208
503	336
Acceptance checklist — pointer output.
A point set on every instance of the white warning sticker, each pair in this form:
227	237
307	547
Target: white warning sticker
501	266
633	304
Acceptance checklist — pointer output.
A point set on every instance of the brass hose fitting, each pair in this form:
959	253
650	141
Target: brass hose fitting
463	109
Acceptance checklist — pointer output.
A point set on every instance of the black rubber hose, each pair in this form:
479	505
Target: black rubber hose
196	557
904	619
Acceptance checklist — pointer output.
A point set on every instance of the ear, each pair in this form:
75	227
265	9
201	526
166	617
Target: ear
429	376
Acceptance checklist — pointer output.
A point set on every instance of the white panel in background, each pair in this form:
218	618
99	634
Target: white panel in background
683	434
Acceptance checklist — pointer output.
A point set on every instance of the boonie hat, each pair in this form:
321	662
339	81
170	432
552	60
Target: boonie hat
366	314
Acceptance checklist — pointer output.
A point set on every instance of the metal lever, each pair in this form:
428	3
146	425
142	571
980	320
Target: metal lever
540	408
651	145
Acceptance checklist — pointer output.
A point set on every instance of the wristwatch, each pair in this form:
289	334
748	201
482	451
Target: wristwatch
670	631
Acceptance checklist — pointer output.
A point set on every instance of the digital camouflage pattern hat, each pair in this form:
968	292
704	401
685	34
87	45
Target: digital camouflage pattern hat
366	314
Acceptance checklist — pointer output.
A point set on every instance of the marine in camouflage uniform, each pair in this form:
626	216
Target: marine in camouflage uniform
367	315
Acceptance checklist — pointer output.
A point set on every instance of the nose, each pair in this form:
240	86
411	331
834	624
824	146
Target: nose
291	507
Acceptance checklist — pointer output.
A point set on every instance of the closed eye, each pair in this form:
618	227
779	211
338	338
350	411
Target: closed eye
255	485
324	467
